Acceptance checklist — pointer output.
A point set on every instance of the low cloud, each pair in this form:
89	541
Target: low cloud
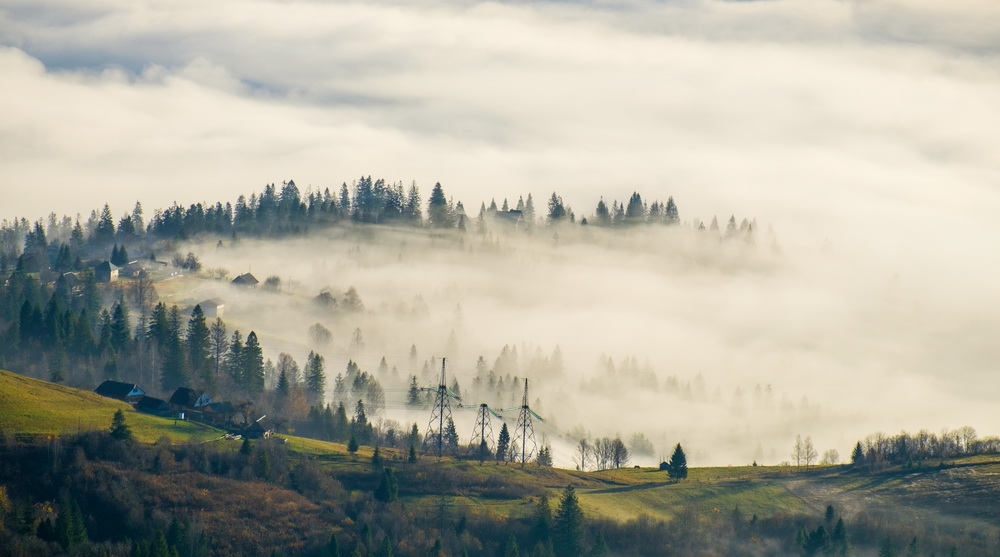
866	126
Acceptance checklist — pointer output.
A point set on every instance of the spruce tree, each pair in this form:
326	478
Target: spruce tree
503	443
439	214
315	378
567	532
677	468
600	547
253	365
198	349
388	487
413	393
119	429
234	360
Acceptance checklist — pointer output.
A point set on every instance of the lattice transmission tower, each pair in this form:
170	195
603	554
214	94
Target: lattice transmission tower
437	440
524	431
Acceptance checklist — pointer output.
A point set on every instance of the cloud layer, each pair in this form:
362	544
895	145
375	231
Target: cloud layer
869	123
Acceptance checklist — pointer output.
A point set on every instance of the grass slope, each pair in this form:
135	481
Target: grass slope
961	494
33	407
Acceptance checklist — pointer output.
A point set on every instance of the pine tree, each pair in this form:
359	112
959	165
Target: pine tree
352	445
858	456
503	443
119	429
677	468
450	435
439	214
217	345
174	371
388	487
567	532
199	349
542	529
234	360
121	330
253	365
315	378
69	529
512	549
671	216
413	393
600	547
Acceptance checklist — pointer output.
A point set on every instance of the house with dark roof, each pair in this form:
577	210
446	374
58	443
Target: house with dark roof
219	413
185	399
106	271
153	405
128	392
261	429
213	307
246	280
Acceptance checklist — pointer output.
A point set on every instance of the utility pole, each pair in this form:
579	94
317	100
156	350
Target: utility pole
483	432
435	438
525	431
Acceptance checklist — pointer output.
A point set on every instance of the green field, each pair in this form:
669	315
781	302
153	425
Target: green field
962	493
33	407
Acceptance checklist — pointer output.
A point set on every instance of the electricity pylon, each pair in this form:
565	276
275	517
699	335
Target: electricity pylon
435	439
482	435
524	431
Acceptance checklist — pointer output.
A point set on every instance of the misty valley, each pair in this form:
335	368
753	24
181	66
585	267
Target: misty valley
362	371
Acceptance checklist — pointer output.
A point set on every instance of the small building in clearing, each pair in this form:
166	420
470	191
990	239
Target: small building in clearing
246	280
128	392
153	405
213	307
106	271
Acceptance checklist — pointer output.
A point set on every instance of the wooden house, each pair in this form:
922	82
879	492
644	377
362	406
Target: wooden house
128	392
185	399
106	272
153	405
261	429
213	307
246	280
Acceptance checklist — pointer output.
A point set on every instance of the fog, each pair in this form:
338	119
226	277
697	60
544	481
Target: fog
736	348
862	131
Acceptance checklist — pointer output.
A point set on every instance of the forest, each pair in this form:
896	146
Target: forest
426	342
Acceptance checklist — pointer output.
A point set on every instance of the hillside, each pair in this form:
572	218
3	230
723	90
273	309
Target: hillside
34	407
305	483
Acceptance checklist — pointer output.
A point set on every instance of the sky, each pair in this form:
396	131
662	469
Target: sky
862	131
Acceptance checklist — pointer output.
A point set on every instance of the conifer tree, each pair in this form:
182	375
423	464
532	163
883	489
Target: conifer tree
439	214
120	429
503	443
234	360
388	487
413	393
567	532
199	349
174	371
253	365
315	378
677	468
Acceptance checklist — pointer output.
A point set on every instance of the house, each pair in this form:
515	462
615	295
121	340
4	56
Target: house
153	405
73	280
261	429
512	218
128	392
106	272
213	307
247	280
219	413
186	400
